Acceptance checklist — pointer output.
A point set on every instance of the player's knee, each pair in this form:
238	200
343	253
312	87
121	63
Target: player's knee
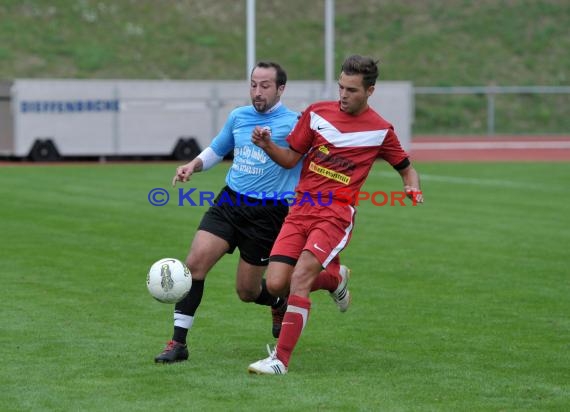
198	272
246	295
276	287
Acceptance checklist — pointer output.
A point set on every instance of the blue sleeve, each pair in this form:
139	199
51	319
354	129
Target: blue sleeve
224	142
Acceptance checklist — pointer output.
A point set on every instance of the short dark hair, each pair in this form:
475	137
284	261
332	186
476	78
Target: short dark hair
281	78
366	66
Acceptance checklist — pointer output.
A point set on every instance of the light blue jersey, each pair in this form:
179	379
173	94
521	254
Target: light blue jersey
253	173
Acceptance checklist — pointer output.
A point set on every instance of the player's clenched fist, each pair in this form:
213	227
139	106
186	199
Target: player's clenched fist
414	194
261	136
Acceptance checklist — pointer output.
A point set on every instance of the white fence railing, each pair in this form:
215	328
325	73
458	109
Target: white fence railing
491	92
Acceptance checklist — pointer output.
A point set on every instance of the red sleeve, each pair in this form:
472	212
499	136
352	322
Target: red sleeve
301	137
391	149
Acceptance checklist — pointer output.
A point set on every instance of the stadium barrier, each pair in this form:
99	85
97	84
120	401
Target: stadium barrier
46	119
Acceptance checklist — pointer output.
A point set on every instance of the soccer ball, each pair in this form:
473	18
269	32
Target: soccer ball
168	280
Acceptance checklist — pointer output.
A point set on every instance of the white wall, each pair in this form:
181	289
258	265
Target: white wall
137	117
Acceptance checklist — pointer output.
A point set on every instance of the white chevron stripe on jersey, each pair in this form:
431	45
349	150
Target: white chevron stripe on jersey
352	139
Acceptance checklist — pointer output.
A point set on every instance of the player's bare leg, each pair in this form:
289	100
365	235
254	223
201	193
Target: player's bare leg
251	287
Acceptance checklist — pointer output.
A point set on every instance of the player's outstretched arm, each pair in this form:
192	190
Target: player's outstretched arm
283	156
412	186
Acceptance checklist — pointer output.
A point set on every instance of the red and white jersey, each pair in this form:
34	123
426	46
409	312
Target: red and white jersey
341	148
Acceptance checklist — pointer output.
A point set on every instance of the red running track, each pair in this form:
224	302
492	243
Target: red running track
465	149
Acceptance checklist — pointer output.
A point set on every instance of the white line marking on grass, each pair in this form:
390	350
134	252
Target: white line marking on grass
490	145
478	181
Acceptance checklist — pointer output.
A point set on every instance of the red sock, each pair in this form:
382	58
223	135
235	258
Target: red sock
326	281
294	321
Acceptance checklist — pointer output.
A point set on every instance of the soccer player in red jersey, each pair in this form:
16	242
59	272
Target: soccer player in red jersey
338	142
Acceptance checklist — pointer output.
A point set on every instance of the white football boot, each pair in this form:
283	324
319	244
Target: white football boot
268	366
341	295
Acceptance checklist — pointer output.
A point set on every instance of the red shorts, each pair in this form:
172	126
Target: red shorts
322	230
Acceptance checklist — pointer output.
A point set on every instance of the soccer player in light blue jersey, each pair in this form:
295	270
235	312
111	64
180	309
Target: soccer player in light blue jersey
243	214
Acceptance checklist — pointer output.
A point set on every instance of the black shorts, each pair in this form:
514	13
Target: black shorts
245	223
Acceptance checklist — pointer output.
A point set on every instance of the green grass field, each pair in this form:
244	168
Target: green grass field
461	304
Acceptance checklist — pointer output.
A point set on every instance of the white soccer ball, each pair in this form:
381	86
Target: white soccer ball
168	280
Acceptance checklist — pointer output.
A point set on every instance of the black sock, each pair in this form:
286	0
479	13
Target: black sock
180	334
188	307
